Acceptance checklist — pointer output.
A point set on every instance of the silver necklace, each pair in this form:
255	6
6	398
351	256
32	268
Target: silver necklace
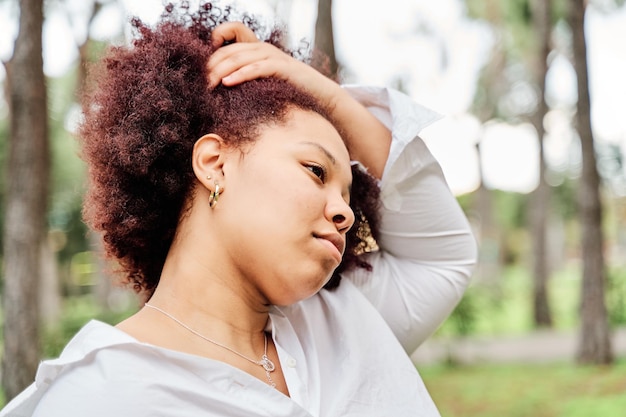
265	362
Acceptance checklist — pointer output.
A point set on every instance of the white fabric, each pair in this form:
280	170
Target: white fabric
343	352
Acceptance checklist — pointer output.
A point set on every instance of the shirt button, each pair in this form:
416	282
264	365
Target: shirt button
291	362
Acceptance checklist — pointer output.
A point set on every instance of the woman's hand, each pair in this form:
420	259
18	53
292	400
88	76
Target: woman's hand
241	57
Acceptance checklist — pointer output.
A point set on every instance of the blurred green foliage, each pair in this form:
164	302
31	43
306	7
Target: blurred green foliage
616	296
68	170
504	308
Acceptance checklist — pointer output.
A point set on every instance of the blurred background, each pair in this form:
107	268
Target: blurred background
532	142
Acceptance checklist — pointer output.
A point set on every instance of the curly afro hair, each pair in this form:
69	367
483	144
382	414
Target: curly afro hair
150	103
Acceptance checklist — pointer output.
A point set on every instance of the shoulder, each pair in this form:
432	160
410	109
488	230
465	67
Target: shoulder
62	374
93	368
141	380
103	372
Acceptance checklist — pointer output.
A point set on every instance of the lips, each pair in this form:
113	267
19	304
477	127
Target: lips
335	242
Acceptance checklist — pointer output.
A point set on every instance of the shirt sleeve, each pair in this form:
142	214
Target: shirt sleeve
427	250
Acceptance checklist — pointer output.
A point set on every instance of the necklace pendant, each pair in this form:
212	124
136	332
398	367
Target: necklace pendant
267	364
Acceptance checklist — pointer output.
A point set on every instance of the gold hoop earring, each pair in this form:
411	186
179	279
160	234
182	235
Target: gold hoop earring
213	197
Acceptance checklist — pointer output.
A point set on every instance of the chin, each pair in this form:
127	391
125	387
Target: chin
295	298
303	291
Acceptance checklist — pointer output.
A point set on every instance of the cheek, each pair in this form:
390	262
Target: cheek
268	204
273	199
284	197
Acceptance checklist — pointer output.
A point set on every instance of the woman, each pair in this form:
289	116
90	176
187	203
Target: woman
222	181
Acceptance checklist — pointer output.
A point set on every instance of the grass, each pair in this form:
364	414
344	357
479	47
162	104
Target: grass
547	390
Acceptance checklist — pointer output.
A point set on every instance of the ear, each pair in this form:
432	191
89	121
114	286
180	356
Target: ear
209	154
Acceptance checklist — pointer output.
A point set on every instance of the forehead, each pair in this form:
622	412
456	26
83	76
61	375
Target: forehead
302	127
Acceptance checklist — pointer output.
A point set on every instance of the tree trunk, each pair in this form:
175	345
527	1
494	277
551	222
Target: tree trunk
26	199
324	37
541	196
595	346
50	299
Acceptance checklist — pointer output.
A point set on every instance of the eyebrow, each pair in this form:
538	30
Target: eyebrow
323	150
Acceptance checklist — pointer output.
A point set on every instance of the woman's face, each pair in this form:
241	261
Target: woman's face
285	209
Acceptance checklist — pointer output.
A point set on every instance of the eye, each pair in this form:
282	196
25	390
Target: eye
318	171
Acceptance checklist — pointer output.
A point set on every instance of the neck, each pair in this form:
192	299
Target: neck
210	299
201	286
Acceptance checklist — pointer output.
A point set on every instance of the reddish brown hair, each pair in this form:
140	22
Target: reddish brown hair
150	105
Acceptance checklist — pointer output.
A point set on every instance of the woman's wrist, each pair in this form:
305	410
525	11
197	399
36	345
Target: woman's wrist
367	138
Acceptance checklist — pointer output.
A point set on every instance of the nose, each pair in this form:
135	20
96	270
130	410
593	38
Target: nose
341	214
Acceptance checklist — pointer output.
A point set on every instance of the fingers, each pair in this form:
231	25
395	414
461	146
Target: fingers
232	32
242	62
228	59
248	59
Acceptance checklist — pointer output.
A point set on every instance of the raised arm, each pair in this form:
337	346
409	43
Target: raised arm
366	138
427	248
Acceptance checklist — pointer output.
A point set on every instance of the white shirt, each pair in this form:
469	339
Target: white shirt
342	352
